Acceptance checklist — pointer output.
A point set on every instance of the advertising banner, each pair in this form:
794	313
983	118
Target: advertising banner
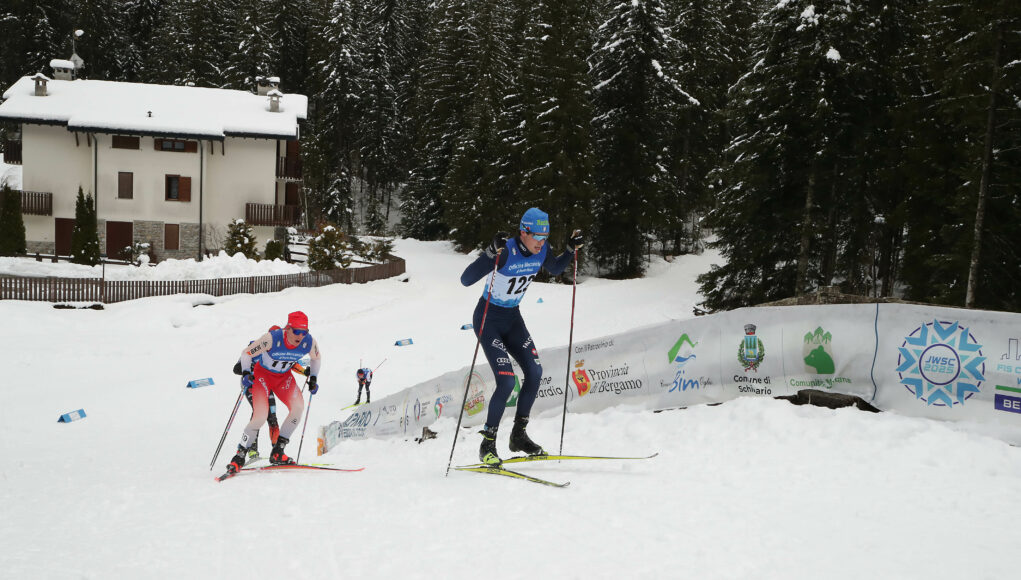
942	363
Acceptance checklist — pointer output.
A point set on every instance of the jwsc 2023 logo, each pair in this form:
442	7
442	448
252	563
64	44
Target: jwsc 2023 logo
941	363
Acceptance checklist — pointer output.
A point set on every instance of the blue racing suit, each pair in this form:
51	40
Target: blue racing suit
504	332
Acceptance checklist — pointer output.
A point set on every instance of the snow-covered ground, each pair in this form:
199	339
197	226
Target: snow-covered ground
754	488
220	266
9	174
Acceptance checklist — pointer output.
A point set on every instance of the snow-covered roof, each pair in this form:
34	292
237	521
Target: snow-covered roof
61	63
161	110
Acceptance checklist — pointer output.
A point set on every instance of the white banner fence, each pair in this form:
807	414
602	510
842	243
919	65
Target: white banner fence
926	361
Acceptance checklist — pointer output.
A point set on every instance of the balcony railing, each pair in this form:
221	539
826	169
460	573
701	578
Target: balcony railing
289	168
34	202
265	214
12	152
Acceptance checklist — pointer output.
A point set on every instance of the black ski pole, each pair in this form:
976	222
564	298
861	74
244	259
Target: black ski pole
226	429
570	346
467	383
307	409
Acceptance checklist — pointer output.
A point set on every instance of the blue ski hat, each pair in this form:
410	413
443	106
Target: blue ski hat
535	221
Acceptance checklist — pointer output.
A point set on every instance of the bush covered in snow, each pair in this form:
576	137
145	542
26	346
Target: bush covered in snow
329	250
240	239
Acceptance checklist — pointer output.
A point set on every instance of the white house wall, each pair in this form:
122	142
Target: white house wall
52	163
244	173
150	168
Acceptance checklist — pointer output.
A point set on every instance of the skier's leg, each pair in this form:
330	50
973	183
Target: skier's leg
522	348
286	391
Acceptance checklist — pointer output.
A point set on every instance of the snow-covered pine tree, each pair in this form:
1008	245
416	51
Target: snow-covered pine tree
85	233
386	37
969	256
711	38
255	45
240	239
104	44
204	42
471	207
291	28
795	211
552	143
142	22
637	99
28	39
441	102
335	107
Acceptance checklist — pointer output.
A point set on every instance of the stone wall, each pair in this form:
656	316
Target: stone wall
39	247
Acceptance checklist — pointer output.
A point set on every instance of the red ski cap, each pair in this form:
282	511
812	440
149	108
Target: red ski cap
297	320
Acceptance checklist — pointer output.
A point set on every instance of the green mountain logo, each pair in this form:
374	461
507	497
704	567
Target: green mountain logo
683	340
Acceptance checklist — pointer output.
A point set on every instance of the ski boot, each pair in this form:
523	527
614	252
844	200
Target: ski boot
253	451
519	440
238	461
278	457
487	451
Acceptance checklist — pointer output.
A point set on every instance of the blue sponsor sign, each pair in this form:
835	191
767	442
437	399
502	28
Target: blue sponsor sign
1008	403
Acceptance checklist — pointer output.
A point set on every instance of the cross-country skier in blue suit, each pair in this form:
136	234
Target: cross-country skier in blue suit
517	261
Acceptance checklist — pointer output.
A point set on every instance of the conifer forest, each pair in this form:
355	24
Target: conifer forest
869	145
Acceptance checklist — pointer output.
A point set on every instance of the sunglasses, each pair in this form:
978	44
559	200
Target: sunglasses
299	331
539	237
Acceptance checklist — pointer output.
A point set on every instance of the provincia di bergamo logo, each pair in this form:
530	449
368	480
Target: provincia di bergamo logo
941	363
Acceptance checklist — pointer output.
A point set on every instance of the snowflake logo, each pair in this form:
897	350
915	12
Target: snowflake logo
941	363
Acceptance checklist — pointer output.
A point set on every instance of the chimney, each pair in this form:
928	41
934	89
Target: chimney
63	70
266	84
40	84
274	100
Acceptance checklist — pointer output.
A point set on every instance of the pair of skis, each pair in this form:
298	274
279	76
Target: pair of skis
285	467
501	470
475	468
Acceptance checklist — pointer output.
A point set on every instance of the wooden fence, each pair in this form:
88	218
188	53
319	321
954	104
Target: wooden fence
109	291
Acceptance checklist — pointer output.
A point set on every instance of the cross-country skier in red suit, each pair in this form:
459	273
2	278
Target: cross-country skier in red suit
271	357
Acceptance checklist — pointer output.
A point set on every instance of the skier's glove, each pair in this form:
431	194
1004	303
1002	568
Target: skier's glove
313	385
237	368
575	241
307	371
499	243
246	380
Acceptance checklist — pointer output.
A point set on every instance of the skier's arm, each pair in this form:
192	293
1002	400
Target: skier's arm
557	265
254	349
314	359
482	265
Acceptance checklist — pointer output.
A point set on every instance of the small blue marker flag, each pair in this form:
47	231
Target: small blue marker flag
403	342
72	416
200	383
466	327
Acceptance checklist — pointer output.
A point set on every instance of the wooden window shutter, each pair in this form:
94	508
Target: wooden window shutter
158	144
125	185
184	189
191	146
